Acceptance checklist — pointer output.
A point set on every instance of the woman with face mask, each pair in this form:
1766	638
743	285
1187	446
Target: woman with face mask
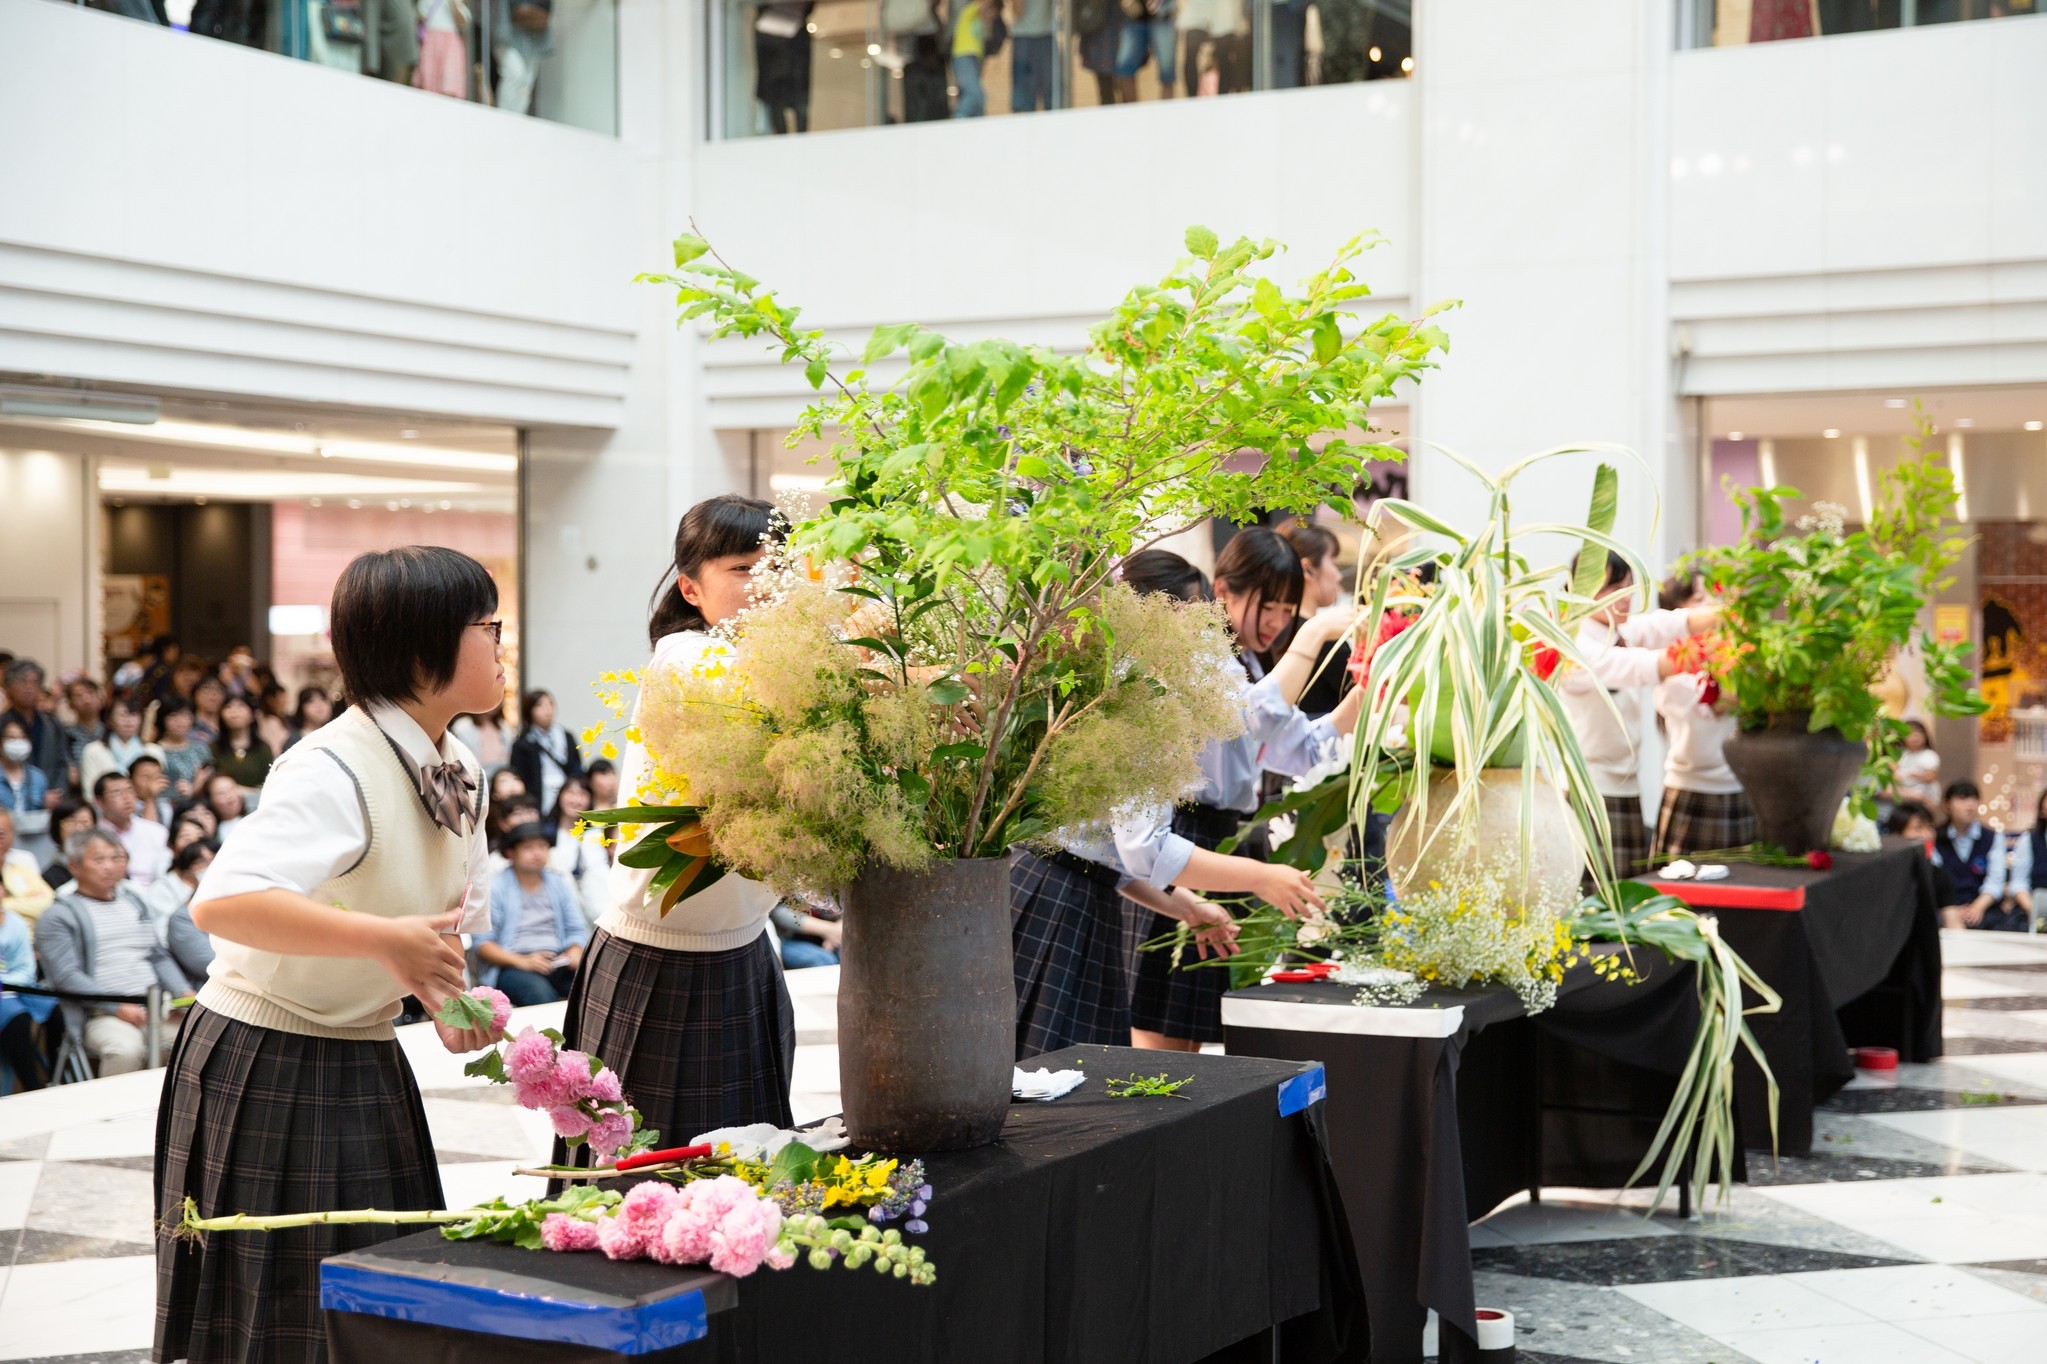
24	789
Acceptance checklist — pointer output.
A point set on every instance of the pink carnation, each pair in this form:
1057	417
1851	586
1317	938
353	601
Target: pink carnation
572	1074
620	1239
608	1133
685	1237
562	1232
779	1258
605	1088
569	1121
746	1236
529	1060
500	1005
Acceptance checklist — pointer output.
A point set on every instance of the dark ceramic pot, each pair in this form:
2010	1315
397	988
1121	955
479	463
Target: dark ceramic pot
1795	779
927	1007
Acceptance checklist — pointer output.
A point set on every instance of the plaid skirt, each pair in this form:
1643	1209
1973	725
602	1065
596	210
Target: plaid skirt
1630	835
260	1121
700	1040
1068	932
1702	821
1186	1003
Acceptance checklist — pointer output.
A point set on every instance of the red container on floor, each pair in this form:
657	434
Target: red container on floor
1877	1064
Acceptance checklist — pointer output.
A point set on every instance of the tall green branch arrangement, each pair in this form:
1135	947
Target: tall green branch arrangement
982	493
1829	610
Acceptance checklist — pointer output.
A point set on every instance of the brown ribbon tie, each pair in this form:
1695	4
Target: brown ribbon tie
450	795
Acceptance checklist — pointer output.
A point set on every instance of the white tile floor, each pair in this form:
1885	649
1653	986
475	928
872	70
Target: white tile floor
71	1167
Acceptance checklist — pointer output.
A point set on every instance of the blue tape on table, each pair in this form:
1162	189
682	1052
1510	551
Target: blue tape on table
1309	1087
623	1329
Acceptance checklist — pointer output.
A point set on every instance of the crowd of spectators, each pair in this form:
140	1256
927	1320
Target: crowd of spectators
115	796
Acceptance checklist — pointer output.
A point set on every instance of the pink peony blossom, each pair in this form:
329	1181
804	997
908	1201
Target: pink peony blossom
562	1232
568	1120
605	1088
608	1133
746	1235
500	1005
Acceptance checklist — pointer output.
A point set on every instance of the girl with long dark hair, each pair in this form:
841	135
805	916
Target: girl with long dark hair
690	1008
1258	584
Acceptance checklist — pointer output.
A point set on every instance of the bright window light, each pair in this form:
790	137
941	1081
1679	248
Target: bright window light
298	620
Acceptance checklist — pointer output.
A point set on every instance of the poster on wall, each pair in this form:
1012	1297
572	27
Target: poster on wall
136	608
1950	623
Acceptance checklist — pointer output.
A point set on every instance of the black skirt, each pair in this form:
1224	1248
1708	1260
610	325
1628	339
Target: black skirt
259	1121
700	1040
1067	927
1186	1004
1703	821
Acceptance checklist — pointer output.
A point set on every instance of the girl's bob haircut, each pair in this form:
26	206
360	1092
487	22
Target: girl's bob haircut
398	617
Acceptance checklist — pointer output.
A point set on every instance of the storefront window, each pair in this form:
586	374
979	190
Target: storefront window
551	59
1731	23
793	66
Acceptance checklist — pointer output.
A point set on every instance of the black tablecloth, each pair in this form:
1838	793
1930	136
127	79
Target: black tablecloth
1427	1132
1859	965
1142	1230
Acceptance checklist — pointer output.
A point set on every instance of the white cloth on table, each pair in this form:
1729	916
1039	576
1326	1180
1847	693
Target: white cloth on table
1042	1085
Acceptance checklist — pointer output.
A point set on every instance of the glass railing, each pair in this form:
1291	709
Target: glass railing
793	66
1731	23
552	59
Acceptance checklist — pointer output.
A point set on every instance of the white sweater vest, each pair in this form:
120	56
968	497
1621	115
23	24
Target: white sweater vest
411	867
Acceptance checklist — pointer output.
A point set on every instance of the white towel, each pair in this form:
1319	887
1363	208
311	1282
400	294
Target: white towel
1043	1086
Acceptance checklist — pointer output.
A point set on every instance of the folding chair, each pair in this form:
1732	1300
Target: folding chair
72	1065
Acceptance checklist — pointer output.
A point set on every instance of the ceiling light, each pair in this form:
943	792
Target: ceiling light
285	443
355	504
1894	402
1862	475
199	501
1373	54
1954	464
408	435
298	620
1965	422
67	404
446	504
2035	426
1734	435
874	49
1407	64
1766	462
1832	433
270	485
312	502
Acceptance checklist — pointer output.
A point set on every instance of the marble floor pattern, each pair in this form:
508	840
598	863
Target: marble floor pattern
1916	1232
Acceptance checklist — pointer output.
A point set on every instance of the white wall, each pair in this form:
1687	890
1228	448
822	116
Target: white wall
47	610
1541	207
192	214
1864	211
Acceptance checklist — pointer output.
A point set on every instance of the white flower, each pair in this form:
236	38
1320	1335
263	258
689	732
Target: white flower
1854	833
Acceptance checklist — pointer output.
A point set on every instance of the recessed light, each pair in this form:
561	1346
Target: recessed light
408	435
2035	426
1894	402
391	505
1407	65
355	504
198	501
1965	422
1374	54
313	502
874	49
446	505
1734	435
1832	433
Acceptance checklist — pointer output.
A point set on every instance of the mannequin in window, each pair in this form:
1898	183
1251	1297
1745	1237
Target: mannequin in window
781	64
525	34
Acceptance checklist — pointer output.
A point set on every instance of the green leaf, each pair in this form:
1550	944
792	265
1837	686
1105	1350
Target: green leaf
643	814
817	370
1328	337
966	751
1201	243
651	851
688	248
793	1164
464	1011
947	691
1590	570
489	1065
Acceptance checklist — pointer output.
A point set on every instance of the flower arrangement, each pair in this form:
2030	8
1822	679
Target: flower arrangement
1710	657
1823	610
714	1203
1464	684
994	684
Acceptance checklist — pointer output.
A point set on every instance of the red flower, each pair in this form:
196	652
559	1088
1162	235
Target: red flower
1390	624
1545	660
1709	691
1820	860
